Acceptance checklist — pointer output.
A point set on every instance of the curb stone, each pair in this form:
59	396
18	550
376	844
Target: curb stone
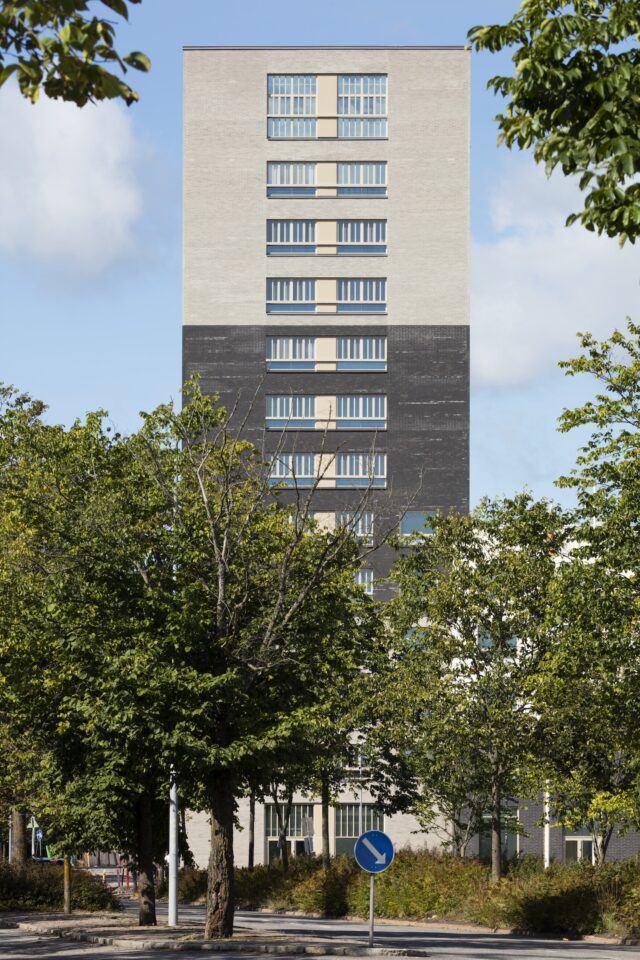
213	946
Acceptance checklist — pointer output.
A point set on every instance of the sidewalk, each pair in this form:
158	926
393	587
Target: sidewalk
114	929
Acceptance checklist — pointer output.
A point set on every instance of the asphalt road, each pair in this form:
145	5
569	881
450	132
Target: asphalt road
440	943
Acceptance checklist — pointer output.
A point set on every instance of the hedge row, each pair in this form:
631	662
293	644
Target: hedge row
570	899
39	887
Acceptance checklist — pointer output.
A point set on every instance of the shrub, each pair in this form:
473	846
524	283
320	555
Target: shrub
573	899
40	887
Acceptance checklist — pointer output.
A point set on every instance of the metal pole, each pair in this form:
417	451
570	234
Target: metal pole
372	881
33	839
361	824
173	852
547	829
10	839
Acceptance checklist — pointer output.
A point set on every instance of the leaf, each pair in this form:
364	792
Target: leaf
119	6
138	60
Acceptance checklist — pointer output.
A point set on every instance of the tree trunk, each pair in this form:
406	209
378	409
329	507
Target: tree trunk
601	844
18	836
66	885
496	830
324	798
144	873
252	829
220	903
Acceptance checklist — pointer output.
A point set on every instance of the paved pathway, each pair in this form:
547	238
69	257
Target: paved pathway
441	943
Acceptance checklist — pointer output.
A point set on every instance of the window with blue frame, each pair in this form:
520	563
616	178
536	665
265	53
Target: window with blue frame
364	579
291	237
361	470
416	523
290	412
362	106
290	295
293	470
291	106
291	179
362	179
362	237
361	353
290	353
362	295
358	522
356	412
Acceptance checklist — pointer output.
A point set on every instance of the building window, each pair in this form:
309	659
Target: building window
362	179
357	412
291	237
362	236
360	523
364	579
361	296
290	413
291	179
361	353
349	824
291	296
416	523
299	830
291	353
297	827
293	469
578	848
362	106
291	106
361	470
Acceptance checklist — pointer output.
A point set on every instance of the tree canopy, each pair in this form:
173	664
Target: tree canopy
574	97
61	49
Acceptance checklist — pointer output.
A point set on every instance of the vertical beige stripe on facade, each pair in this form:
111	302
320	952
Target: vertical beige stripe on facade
326	179
326	521
327	128
327	95
325	413
326	469
326	295
327	105
326	353
326	236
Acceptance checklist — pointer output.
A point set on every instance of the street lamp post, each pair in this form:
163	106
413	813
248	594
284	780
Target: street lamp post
173	852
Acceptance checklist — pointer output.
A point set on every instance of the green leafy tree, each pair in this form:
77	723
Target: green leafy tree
81	643
472	631
591	686
59	48
573	98
587	697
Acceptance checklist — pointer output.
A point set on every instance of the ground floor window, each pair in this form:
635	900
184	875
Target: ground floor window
352	819
299	830
508	838
578	848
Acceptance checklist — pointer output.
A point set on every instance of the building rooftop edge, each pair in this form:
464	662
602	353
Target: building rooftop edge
296	46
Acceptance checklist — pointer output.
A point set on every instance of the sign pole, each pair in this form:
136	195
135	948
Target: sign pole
372	886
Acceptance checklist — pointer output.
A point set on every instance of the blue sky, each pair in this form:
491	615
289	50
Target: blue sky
90	246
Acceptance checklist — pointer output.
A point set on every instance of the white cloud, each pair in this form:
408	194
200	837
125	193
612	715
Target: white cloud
536	282
69	188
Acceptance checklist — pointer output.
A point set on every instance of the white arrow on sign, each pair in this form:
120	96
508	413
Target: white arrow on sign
380	857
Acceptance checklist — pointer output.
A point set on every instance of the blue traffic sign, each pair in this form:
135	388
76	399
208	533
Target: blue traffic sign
38	834
373	851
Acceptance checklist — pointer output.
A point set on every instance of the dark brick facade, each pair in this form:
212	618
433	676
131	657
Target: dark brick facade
427	388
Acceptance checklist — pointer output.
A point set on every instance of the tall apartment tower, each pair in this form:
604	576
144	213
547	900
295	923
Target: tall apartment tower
326	195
